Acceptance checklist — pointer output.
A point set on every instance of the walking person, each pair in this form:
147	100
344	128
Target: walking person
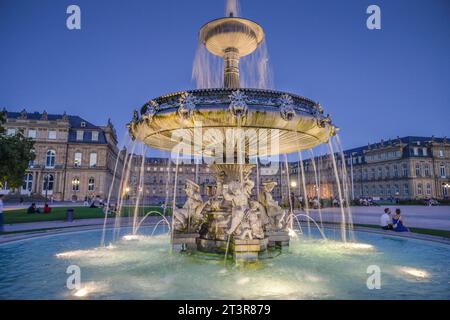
1	213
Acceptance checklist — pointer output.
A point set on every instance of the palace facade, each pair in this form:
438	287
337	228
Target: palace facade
77	159
408	168
74	158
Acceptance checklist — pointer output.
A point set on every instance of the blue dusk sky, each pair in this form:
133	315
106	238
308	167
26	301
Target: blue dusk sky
376	84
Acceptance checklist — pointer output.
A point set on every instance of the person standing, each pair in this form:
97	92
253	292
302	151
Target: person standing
1	213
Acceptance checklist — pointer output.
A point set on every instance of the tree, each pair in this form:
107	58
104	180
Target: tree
15	155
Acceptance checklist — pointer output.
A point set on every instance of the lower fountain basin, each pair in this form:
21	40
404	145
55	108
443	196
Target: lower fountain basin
145	269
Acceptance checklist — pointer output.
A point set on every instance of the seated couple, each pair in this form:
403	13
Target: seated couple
392	223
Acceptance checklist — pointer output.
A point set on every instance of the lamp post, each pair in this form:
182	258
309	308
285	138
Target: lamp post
46	178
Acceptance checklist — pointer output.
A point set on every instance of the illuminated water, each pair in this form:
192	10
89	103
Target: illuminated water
143	268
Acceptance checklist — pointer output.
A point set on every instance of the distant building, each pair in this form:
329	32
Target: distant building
159	180
74	158
409	168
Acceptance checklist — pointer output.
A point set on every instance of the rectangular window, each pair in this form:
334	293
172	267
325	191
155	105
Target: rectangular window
93	160
429	189
80	135
94	136
32	133
405	169
52	134
442	170
406	189
395	170
11	132
441	153
77	161
427	169
418	170
416	151
425	152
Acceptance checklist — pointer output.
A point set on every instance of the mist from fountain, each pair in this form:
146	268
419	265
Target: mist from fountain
232	8
317	185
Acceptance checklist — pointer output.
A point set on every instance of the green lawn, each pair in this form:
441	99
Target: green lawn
21	216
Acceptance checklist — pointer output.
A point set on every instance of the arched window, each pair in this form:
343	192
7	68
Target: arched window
28	182
50	159
49	181
91	184
419	189
75	184
429	189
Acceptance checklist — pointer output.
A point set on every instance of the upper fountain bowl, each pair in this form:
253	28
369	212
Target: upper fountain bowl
237	33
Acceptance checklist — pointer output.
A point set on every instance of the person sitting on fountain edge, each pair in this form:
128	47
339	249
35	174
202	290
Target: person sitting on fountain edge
386	220
397	221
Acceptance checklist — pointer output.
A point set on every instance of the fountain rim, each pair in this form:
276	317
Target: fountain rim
245	90
432	240
229	18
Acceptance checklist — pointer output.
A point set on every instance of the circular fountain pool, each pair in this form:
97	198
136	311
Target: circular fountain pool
143	268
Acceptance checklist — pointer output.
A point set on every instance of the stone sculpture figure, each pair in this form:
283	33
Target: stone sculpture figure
275	214
250	226
239	200
190	217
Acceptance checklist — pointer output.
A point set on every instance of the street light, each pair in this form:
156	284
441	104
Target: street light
293	184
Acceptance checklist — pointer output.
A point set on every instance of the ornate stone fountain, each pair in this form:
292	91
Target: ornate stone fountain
231	220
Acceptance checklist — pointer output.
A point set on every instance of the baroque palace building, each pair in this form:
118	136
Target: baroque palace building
409	168
74	158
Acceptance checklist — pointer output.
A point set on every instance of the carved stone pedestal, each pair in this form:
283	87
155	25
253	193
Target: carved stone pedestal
187	241
214	246
278	238
248	250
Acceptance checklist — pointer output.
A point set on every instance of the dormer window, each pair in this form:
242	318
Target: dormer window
83	124
94	135
80	134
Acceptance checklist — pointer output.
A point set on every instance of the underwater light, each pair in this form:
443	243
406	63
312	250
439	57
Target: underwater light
418	273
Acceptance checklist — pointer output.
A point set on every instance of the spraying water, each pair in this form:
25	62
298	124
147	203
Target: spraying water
233	8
